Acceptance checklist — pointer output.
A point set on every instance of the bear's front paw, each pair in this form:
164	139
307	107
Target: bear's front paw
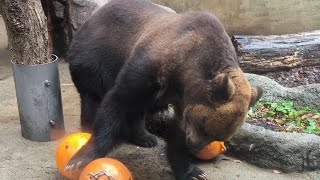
145	140
195	173
82	158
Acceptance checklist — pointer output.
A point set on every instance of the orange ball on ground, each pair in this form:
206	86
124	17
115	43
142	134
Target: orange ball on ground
66	149
212	150
105	169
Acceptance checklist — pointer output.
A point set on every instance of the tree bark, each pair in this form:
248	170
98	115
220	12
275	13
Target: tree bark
262	54
64	18
254	65
27	31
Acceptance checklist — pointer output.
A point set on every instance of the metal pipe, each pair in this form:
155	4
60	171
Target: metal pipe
39	100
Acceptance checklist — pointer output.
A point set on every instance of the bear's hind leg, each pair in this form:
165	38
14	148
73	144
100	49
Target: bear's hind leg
89	106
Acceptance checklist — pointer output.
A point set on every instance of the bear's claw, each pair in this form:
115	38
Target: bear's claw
196	173
145	140
83	157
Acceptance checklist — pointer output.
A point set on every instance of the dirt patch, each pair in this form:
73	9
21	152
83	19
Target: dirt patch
296	77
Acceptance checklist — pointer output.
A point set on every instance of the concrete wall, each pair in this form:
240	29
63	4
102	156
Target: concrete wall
257	16
244	16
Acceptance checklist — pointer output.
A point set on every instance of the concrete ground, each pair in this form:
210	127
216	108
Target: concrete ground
23	159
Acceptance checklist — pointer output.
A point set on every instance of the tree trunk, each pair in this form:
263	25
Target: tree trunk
27	31
64	18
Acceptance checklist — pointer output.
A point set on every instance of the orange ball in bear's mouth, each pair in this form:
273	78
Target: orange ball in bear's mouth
67	148
212	150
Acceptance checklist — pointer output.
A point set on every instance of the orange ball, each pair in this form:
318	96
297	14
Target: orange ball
67	148
212	150
105	169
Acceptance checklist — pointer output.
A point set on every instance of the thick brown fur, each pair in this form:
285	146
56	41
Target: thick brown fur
222	118
132	57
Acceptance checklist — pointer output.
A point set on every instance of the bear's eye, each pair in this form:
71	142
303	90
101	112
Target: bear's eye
203	120
205	134
201	127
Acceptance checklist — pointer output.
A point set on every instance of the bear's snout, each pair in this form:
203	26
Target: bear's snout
194	147
195	142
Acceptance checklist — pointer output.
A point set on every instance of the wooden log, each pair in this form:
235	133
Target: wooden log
277	64
262	54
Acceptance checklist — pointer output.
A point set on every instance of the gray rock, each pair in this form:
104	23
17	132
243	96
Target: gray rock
307	95
84	3
59	9
166	8
80	11
284	151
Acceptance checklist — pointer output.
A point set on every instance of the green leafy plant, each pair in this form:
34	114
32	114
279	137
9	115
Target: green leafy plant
312	127
285	107
287	117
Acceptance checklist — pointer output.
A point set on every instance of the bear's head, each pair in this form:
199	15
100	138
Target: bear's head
230	97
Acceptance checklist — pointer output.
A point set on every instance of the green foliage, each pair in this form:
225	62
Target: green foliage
312	127
286	109
288	117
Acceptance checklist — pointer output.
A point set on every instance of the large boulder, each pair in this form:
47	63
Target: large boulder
280	150
285	151
306	95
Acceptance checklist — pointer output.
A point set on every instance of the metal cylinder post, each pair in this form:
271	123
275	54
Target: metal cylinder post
39	100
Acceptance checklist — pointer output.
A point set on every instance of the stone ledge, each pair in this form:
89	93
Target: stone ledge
302	96
279	150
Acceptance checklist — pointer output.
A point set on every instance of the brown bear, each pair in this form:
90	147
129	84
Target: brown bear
132	58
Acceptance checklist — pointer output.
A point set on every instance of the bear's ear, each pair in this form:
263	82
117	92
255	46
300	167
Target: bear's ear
256	93
222	88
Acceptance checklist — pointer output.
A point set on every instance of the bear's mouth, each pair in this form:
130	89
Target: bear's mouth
195	148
